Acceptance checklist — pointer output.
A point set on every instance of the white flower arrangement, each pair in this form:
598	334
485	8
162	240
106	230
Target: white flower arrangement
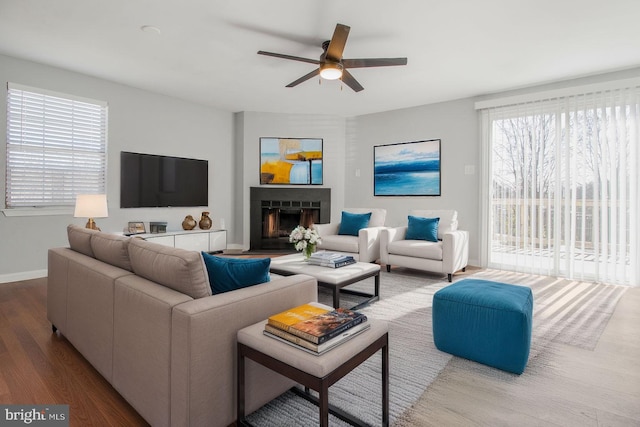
305	239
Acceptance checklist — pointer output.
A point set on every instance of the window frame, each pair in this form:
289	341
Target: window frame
73	103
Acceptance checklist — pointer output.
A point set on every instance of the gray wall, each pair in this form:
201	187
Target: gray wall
455	123
348	152
138	121
250	126
147	122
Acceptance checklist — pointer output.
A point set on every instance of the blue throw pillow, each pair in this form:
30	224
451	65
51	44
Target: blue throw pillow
352	223
229	274
422	229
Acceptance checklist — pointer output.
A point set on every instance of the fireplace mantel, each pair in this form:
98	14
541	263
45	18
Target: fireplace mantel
304	197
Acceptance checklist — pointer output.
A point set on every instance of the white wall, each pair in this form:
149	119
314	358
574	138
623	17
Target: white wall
138	121
151	123
250	126
455	123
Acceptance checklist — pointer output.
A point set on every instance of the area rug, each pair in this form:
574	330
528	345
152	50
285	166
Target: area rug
565	311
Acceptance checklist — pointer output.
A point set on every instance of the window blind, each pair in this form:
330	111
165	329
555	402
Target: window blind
56	147
562	186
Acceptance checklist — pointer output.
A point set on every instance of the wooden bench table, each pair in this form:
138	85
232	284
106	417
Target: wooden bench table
316	372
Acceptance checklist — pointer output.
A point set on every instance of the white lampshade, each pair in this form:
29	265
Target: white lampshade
91	206
331	70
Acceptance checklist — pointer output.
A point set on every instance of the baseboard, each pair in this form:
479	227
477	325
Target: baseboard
24	275
473	262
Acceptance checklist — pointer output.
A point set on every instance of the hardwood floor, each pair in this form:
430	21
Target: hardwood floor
593	388
40	367
580	388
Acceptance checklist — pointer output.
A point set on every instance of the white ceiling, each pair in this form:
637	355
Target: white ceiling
206	51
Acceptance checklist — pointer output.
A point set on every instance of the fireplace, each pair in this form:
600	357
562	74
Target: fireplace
274	212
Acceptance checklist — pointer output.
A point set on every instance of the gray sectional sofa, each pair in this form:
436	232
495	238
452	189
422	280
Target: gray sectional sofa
143	315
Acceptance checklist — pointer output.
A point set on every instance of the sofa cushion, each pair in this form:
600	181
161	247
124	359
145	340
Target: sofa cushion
80	239
448	219
229	274
175	268
422	229
378	215
352	223
112	249
416	249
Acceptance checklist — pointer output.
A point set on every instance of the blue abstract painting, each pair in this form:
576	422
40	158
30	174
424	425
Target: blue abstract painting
407	169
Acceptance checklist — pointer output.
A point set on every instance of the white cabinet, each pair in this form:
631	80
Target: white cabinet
161	239
193	240
217	240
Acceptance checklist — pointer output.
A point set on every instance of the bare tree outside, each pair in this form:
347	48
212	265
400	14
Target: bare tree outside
562	190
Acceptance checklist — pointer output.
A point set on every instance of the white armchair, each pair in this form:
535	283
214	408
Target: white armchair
448	255
365	247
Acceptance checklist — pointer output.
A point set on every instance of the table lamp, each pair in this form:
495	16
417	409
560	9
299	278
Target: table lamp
91	206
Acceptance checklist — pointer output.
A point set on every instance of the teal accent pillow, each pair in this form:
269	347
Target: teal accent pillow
422	229
352	223
229	274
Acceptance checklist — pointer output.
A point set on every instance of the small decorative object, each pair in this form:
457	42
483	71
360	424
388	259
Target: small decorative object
205	221
136	227
189	223
305	240
157	227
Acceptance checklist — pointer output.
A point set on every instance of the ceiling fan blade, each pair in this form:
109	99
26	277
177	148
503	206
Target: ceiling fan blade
293	58
350	81
304	78
338	41
278	33
373	62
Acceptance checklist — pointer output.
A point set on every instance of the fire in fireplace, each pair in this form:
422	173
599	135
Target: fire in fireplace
275	212
277	222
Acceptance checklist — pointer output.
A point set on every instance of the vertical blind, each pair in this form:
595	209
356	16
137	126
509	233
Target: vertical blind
563	186
56	147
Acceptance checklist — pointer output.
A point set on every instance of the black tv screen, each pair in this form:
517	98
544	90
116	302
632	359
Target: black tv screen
148	180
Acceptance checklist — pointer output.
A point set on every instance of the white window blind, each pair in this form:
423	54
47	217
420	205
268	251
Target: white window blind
56	148
562	186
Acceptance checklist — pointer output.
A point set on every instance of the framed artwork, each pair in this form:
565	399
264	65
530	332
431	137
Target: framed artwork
291	161
137	228
407	169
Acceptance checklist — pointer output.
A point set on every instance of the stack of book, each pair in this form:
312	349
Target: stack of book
331	259
315	328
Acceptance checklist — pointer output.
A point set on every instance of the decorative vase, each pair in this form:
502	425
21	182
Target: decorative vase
189	223
205	221
311	248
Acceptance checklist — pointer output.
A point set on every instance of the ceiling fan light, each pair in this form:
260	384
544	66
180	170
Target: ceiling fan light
331	70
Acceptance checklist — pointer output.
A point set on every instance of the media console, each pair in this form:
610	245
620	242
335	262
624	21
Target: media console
193	240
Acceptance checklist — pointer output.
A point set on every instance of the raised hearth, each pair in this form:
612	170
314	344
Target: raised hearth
274	212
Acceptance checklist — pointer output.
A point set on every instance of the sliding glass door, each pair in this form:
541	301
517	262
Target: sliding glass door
563	195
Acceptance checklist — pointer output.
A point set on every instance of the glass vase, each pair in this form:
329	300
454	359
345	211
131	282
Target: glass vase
308	251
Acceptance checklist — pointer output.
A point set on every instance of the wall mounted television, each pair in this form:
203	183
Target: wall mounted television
148	180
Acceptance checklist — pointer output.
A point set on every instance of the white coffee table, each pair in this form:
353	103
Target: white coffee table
333	278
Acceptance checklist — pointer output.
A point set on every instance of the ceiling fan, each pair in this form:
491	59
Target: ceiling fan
332	66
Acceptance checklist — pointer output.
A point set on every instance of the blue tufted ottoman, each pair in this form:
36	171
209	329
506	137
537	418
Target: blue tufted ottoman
485	321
